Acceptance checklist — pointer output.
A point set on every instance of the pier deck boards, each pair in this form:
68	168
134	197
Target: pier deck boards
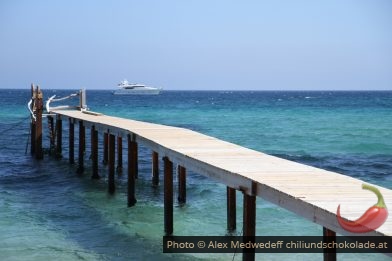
308	191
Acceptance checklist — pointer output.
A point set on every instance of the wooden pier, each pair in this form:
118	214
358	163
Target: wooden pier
310	192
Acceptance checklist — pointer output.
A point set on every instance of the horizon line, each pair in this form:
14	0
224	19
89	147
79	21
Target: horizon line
220	90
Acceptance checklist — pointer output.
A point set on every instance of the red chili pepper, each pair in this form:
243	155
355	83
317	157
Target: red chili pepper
372	219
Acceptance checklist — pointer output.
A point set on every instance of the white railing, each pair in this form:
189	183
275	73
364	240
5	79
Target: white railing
30	109
82	102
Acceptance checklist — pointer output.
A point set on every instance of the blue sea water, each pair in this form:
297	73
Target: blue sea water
47	212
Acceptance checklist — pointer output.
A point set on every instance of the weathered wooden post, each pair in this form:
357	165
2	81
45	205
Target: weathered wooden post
329	236
83	141
155	169
119	155
71	141
249	222
94	152
231	209
52	138
132	167
181	185
81	147
136	158
111	163
82	100
59	136
105	148
39	154
168	196
32	124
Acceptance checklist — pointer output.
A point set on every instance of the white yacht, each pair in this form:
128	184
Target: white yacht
134	88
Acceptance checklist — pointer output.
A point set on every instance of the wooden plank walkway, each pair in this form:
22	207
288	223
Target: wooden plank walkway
307	191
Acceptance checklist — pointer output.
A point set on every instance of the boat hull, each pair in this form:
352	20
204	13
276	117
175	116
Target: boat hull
137	92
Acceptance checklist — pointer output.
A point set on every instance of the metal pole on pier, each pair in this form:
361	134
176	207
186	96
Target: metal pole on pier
59	136
94	152
111	162
136	159
132	168
71	141
168	196
119	155
105	148
329	236
81	147
181	184
52	137
249	222
155	169
231	209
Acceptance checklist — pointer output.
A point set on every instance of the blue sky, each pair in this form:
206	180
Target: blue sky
197	45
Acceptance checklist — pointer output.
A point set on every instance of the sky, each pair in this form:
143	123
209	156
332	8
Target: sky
197	44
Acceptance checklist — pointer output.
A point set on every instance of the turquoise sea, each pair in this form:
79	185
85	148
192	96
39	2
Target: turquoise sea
48	212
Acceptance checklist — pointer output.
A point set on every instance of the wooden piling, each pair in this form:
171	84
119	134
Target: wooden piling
329	236
111	162
136	159
105	148
168	196
131	171
94	152
119	155
81	148
249	225
32	124
71	141
59	136
32	136
231	209
181	185
83	141
39	154
52	138
155	169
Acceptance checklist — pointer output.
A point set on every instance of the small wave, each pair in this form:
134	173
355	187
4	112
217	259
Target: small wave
376	167
303	158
